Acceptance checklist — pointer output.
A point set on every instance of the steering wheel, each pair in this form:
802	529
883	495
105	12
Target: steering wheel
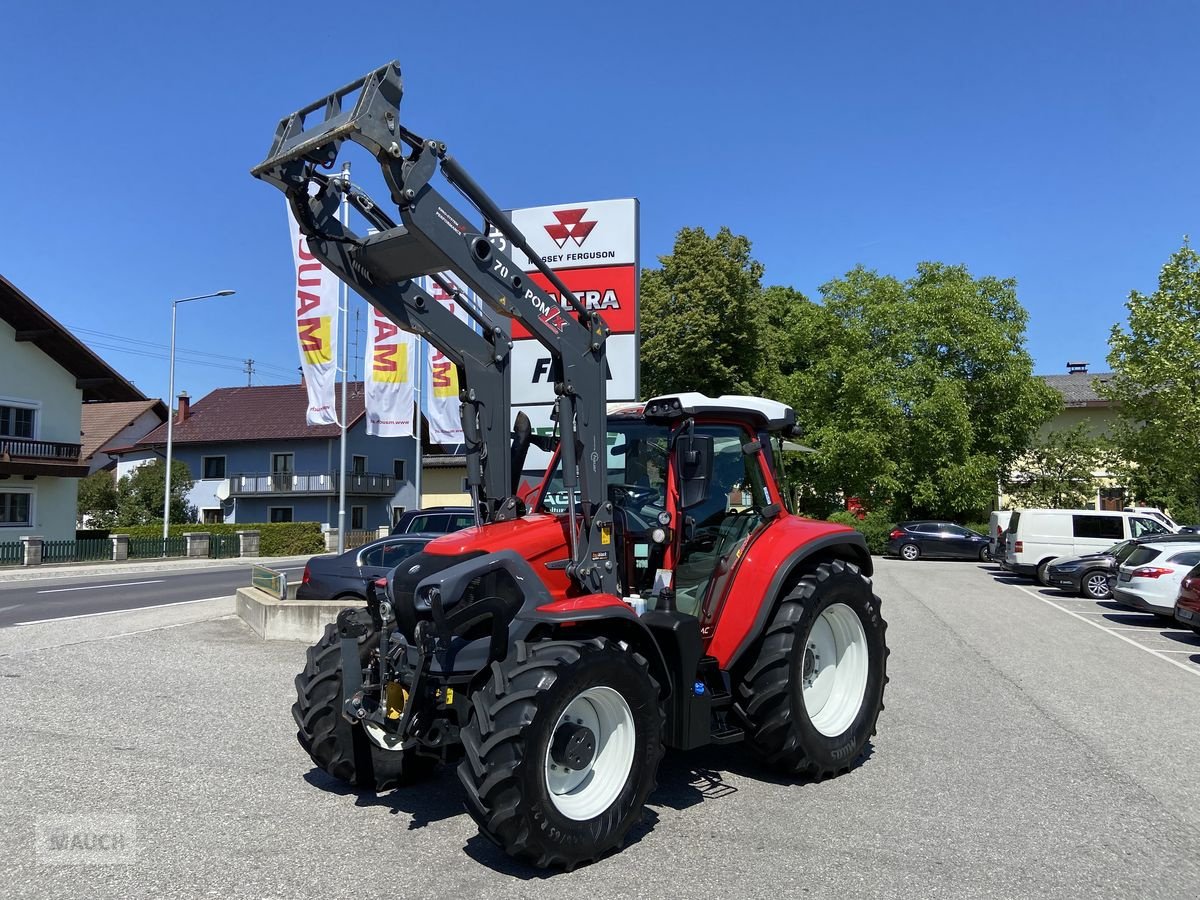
637	494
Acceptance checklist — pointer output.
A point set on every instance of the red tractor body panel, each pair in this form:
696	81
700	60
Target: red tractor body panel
539	538
736	615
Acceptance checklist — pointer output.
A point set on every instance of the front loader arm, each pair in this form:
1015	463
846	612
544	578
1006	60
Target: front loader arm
434	237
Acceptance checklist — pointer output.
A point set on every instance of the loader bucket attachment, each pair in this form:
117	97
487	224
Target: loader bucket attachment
372	121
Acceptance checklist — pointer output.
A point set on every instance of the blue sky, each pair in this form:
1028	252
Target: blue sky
1043	141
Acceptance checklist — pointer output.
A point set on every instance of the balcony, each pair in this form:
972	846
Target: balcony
25	456
310	485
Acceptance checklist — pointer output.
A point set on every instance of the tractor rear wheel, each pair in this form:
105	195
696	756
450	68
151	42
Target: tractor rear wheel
562	750
342	749
812	697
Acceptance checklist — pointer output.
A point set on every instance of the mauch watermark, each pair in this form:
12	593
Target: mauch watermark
86	840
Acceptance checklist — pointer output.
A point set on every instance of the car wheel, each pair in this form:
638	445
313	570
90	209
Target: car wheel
1043	573
985	554
1094	584
910	552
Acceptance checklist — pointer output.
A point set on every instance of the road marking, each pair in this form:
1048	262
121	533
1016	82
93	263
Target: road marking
113	612
1193	650
96	587
1191	670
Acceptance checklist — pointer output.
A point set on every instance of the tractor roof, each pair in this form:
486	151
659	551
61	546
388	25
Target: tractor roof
757	411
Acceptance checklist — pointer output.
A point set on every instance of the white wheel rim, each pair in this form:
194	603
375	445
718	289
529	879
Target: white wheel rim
585	793
910	552
834	670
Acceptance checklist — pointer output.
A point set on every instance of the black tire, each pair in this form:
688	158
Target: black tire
508	736
771	692
1094	585
985	554
1043	573
910	552
335	745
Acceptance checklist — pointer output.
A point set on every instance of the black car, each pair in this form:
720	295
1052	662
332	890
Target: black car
345	577
912	540
435	520
1091	574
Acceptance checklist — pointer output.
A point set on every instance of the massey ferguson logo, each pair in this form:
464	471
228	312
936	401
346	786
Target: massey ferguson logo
570	225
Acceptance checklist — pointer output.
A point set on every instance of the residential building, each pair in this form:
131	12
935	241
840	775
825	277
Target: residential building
110	426
1081	402
47	377
254	459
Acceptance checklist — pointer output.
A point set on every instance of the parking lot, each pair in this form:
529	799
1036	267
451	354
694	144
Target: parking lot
1032	745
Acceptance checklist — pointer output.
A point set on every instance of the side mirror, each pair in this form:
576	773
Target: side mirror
694	460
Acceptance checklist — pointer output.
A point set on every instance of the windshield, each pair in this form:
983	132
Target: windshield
637	469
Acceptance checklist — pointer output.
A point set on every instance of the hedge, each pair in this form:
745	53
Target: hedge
276	538
875	527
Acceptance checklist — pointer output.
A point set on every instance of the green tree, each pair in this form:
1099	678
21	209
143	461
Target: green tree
917	395
1155	385
98	500
1058	471
140	494
699	311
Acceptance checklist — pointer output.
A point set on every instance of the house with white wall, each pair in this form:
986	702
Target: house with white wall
46	376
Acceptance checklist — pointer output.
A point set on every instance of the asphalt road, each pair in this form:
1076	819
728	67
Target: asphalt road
70	595
1028	749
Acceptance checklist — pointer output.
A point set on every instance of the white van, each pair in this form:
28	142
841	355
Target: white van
997	525
1036	536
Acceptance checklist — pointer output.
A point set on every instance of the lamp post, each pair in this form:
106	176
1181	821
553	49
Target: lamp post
171	400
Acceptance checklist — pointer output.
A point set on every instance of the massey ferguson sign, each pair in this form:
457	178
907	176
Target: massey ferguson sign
592	247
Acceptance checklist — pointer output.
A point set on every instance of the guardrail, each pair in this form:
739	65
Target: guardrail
274	583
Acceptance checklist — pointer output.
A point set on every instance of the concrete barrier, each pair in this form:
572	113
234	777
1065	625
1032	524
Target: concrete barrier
287	620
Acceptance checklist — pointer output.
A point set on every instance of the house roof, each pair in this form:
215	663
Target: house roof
273	412
1078	388
443	461
101	422
96	378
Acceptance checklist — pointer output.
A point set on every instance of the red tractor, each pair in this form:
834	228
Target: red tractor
655	594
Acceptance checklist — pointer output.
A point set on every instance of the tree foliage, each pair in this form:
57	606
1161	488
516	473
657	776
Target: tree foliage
699	315
1058	472
916	395
97	505
139	495
1155	385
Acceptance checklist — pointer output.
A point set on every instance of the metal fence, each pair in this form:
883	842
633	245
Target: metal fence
224	546
151	548
89	550
12	553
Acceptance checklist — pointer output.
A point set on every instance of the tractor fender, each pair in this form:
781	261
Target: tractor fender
731	639
594	615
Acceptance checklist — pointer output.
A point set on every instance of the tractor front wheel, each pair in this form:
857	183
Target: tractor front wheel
562	750
342	749
812	697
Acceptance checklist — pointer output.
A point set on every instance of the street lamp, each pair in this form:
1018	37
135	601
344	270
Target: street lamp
170	400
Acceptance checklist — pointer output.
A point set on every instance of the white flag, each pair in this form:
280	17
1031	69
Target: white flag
443	409
390	393
316	327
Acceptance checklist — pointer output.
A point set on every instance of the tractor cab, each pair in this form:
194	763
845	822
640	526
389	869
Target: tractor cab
691	483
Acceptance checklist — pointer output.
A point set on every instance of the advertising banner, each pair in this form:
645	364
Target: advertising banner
316	312
442	407
390	390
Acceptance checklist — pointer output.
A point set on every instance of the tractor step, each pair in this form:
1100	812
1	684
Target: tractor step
729	734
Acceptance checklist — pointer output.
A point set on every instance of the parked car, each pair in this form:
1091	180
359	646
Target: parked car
1150	577
434	520
1088	574
345	576
912	540
997	527
1187	604
1036	537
